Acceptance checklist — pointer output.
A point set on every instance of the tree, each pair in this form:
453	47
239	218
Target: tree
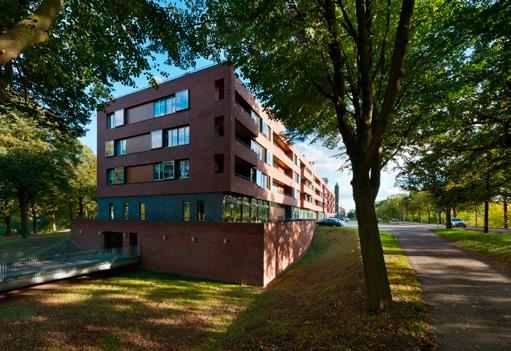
33	159
330	68
83	182
66	55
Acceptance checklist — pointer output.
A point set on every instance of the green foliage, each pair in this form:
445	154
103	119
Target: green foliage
92	45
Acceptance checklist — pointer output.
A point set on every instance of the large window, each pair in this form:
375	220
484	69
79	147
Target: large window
265	129
120	147
260	178
109	148
184	169
119	117
179	136
164	170
201	216
269	158
110	121
244	209
186	211
171	104
178	169
115	175
156	139
259	150
297	178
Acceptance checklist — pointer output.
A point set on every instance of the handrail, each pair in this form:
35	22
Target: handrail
30	267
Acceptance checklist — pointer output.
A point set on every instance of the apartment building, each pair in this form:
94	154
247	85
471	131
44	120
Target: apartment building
202	148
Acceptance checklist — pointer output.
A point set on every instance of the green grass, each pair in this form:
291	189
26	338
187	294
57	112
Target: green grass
32	244
492	246
318	304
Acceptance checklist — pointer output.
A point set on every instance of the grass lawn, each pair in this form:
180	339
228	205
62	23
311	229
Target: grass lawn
32	244
492	246
317	304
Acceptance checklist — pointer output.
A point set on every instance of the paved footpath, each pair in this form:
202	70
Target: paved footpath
470	302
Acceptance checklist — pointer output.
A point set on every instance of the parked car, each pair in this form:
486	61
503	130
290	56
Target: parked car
394	220
330	222
458	223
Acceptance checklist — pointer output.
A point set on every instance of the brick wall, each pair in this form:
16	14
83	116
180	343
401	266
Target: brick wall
251	253
284	244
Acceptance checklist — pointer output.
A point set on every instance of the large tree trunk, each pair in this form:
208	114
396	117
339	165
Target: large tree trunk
448	223
23	205
505	213
80	207
8	225
30	31
375	271
34	218
454	212
429	216
486	215
476	216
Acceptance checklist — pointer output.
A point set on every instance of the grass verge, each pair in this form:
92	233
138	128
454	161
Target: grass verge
318	304
491	246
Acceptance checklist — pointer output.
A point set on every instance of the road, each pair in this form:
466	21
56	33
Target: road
470	301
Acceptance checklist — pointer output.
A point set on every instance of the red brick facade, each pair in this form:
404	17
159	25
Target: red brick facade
251	253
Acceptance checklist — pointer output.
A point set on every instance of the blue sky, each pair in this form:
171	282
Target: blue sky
326	165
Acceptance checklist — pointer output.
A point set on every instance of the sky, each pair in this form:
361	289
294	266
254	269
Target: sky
326	165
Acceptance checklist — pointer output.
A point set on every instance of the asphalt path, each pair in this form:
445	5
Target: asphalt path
469	300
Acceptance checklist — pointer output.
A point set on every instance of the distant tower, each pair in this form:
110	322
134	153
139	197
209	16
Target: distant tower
336	191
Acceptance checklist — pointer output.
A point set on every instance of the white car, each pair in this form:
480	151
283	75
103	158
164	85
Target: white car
458	223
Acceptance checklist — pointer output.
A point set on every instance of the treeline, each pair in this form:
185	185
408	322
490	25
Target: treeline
47	178
421	207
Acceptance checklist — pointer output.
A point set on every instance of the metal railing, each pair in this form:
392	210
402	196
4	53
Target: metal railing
30	267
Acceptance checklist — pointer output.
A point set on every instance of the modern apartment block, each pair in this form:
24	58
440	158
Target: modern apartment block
201	148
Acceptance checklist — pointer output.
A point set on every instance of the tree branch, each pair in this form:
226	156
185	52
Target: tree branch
29	31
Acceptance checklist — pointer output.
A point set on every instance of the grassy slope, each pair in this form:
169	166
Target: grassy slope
318	304
33	244
493	246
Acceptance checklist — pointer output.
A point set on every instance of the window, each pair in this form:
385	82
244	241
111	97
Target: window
255	117
246	210
171	104
296	177
110	121
125	210
115	175
141	211
164	170
219	126
181	100
296	194
156	139
269	158
184	169
200	211
109	148
262	179
296	160
219	163
120	147
159	108
178	136
111	212
186	211
265	129
258	149
219	89
119	117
